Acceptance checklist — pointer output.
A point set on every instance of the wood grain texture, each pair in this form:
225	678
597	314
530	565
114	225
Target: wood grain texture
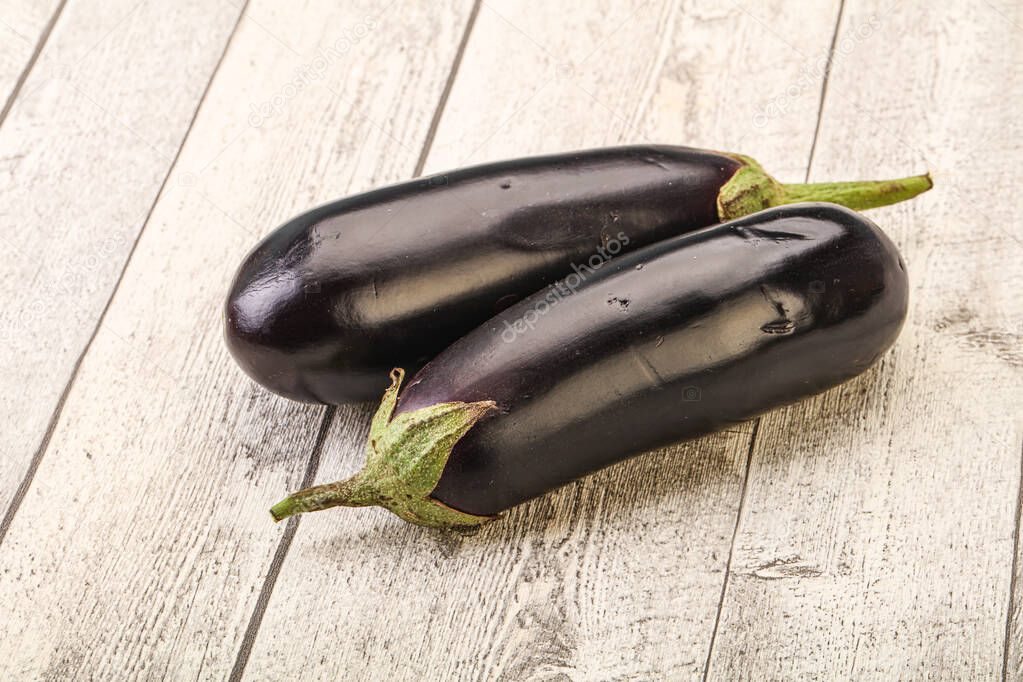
877	535
588	583
139	550
617	576
877	524
23	25
83	153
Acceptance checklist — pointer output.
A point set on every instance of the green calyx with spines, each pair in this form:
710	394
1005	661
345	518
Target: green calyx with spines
405	457
752	189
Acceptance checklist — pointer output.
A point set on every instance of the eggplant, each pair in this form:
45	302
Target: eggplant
328	303
679	339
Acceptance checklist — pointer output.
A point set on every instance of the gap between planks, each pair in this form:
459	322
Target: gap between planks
731	546
256	618
1014	567
33	58
824	88
756	424
37	457
266	591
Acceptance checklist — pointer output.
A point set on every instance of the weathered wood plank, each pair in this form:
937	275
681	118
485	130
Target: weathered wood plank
140	548
877	535
1002	134
23	25
23	30
618	576
83	153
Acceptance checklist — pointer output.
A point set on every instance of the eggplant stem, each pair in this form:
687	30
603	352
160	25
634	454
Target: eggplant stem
350	492
405	457
753	189
861	194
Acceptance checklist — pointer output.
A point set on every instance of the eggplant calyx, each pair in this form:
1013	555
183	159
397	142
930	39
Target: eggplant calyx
405	457
752	189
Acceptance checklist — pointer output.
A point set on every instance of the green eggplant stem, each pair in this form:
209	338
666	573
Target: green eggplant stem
347	493
752	189
859	195
405	457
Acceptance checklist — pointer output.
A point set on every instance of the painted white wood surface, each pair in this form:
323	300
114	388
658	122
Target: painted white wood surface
23	25
618	576
874	529
879	517
83	153
141	546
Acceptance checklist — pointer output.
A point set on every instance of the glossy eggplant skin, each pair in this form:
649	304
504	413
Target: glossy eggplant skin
676	340
328	303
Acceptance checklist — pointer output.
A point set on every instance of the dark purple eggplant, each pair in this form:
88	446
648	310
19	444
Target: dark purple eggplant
679	339
328	303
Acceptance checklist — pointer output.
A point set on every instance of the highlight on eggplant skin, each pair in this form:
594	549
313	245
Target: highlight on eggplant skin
676	340
328	303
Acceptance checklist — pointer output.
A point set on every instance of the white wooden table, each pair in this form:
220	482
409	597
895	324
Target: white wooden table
869	533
